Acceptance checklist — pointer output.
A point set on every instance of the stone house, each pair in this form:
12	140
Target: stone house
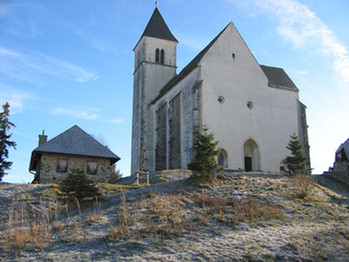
52	160
251	109
340	169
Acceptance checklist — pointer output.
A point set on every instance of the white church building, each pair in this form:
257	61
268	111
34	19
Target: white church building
251	109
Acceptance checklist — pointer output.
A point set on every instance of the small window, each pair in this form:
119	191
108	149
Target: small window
92	167
62	165
162	56
221	159
249	105
221	99
157	56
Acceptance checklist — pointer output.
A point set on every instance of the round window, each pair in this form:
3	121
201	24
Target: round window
221	99
249	105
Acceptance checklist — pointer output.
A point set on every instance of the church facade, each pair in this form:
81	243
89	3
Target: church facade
251	109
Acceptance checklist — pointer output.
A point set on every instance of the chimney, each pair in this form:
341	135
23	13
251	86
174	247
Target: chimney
42	138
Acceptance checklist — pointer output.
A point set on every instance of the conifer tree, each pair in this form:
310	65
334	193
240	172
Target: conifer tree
296	163
204	163
78	184
5	142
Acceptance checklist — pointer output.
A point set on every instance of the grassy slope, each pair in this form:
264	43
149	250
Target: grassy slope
240	217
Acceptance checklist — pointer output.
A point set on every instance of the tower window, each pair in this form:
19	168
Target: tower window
157	55
162	56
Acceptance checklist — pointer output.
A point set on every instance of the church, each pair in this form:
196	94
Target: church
251	109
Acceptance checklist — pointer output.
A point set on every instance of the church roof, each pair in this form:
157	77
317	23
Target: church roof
73	141
157	28
186	70
278	78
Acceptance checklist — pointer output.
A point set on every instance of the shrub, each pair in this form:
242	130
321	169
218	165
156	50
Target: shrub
115	175
77	185
302	186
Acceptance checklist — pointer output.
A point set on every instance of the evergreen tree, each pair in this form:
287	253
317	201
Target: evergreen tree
115	174
204	163
77	184
5	142
296	163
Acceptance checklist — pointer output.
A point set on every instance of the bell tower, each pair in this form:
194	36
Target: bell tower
155	65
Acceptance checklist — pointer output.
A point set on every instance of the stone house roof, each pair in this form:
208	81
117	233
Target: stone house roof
73	141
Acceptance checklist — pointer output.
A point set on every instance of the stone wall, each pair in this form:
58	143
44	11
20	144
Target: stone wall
149	77
340	172
338	175
161	138
48	167
174	118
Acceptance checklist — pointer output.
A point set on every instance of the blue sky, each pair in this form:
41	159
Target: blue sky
71	62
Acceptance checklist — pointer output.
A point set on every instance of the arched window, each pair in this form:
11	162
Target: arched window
223	158
162	56
157	55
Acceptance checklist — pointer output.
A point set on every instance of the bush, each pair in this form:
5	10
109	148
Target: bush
302	186
114	176
77	184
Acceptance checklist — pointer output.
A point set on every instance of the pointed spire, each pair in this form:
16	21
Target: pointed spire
157	27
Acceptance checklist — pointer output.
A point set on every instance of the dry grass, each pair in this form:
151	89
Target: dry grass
215	204
28	226
161	215
250	209
302	186
96	216
122	230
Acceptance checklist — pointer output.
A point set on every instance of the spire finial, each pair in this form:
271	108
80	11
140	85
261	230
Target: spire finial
156	4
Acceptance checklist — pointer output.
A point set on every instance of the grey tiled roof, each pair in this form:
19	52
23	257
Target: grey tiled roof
278	78
157	27
74	141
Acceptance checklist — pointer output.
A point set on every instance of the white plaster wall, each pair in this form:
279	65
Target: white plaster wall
239	80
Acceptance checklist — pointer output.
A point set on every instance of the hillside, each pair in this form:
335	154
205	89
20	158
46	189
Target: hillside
238	217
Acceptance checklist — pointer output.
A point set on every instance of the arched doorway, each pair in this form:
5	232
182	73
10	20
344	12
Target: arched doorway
251	156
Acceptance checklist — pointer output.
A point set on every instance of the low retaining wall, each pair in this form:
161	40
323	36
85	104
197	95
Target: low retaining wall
338	175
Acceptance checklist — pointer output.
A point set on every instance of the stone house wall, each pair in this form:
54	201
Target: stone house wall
47	167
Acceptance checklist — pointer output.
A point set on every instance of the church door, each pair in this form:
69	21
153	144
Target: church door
248	163
251	156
